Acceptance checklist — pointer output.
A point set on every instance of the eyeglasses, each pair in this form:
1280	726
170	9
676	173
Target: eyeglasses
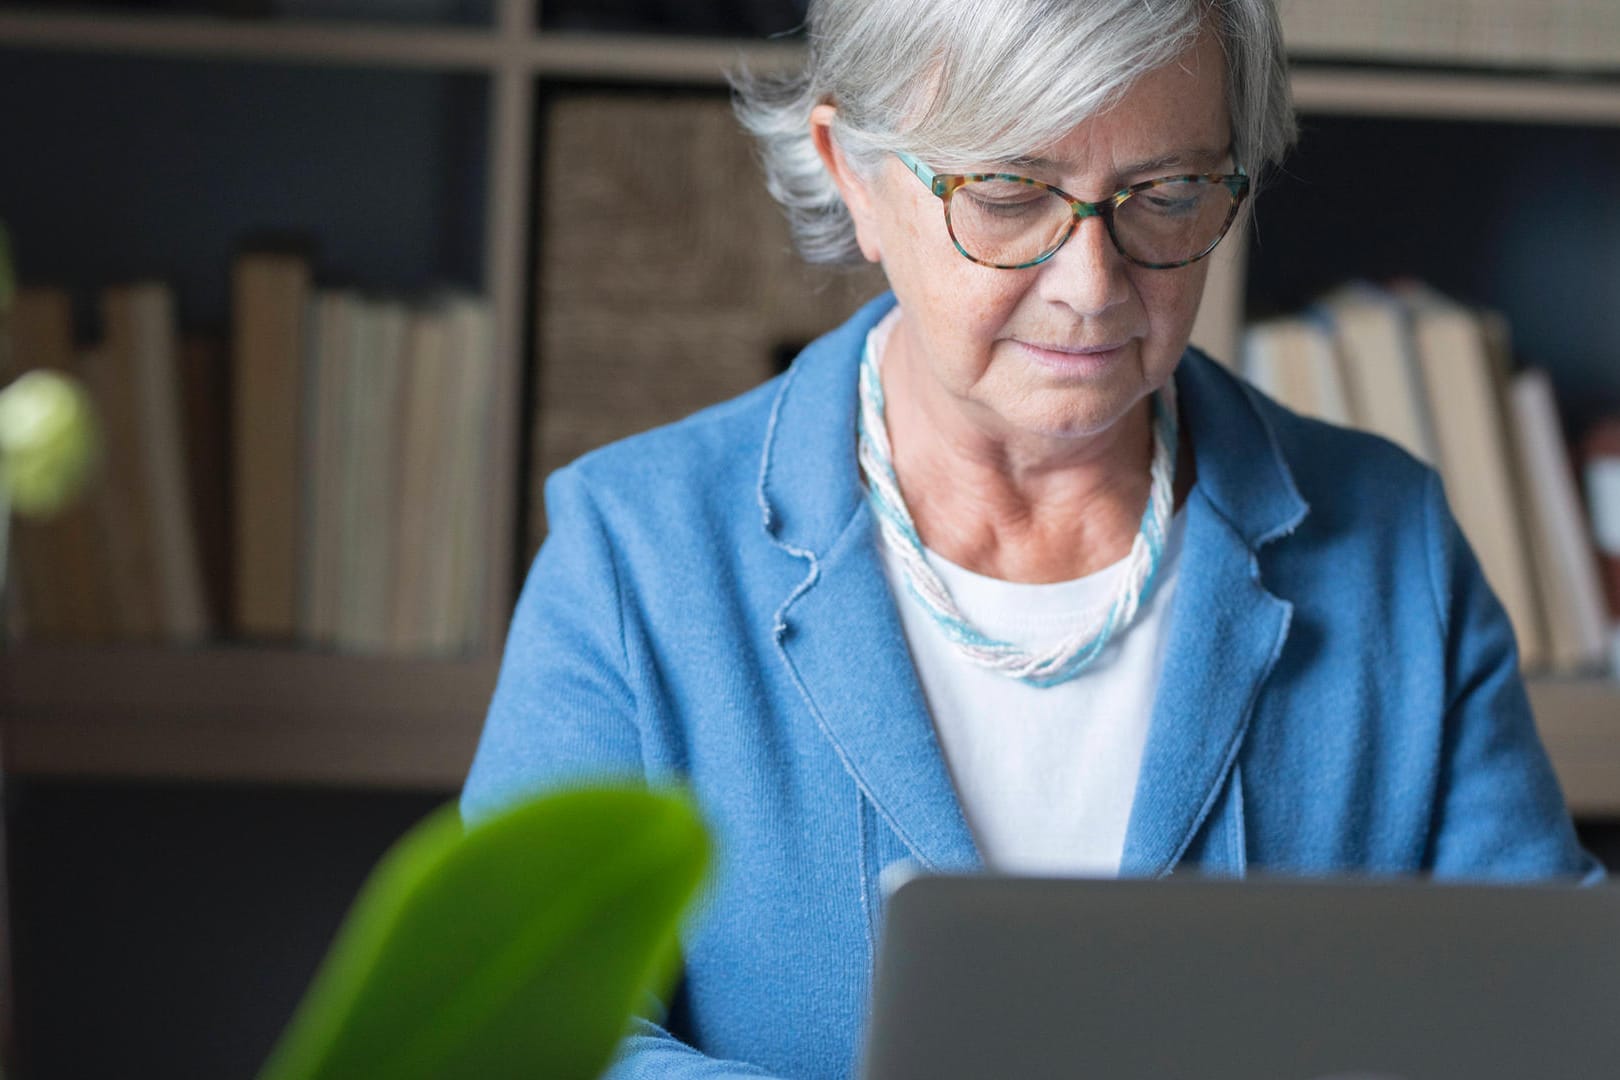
1012	222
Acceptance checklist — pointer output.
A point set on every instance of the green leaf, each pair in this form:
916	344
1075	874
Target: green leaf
519	947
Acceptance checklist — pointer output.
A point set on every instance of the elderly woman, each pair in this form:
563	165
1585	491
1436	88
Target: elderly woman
1001	573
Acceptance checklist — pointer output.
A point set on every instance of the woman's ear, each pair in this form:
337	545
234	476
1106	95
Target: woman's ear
852	187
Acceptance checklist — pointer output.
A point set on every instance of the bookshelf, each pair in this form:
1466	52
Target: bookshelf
256	713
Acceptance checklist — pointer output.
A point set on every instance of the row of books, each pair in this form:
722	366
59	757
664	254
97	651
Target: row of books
322	481
1436	377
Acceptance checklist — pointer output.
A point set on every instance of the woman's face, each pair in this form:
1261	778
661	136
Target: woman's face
1066	348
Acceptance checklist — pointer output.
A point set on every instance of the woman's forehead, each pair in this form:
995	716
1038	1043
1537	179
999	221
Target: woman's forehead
1174	117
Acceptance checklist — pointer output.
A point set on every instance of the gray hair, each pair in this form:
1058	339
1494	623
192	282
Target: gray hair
959	83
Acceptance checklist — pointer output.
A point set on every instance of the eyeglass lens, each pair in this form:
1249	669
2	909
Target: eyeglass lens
1007	223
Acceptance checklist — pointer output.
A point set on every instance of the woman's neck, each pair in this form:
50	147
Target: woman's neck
1015	505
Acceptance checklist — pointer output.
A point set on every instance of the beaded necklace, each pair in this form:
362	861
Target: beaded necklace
1073	653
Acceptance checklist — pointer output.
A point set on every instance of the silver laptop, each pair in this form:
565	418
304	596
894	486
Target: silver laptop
981	977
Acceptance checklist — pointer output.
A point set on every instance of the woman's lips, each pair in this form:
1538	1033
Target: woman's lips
1075	359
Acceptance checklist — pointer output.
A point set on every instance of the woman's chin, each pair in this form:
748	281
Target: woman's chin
1064	416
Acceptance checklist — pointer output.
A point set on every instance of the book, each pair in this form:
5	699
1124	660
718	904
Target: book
139	324
205	386
1382	379
1561	541
1292	360
369	474
269	293
1475	460
126	510
325	413
59	570
423	524
472	348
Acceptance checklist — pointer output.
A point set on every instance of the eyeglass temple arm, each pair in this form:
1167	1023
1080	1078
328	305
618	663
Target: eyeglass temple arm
922	172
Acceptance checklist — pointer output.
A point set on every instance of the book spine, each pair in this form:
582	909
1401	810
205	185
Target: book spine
269	297
128	522
1560	542
148	309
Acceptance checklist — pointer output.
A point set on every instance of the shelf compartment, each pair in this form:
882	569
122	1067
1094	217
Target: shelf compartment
243	714
170	164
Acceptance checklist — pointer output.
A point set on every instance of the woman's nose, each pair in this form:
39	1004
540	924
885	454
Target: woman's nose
1088	272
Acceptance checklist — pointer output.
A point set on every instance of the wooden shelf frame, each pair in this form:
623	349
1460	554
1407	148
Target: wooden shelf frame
265	715
250	714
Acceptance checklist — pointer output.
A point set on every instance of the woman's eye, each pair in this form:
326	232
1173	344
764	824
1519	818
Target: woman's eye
1005	198
1168	205
1004	206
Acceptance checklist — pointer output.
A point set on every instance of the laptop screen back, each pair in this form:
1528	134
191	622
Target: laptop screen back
1020	977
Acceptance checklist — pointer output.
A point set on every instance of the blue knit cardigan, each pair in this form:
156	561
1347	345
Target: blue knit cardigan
1340	692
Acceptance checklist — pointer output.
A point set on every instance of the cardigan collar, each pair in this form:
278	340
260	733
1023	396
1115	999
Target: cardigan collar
839	632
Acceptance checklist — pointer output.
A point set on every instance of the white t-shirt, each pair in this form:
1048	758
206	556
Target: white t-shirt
1046	777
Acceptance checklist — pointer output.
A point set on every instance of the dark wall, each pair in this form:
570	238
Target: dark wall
168	930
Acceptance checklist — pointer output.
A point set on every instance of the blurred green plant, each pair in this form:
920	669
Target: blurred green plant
47	442
519	947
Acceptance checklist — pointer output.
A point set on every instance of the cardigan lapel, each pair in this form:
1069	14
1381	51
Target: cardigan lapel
838	631
843	640
1225	631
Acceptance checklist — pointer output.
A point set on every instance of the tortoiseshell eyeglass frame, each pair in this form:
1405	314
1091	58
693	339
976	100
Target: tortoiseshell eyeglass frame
945	185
